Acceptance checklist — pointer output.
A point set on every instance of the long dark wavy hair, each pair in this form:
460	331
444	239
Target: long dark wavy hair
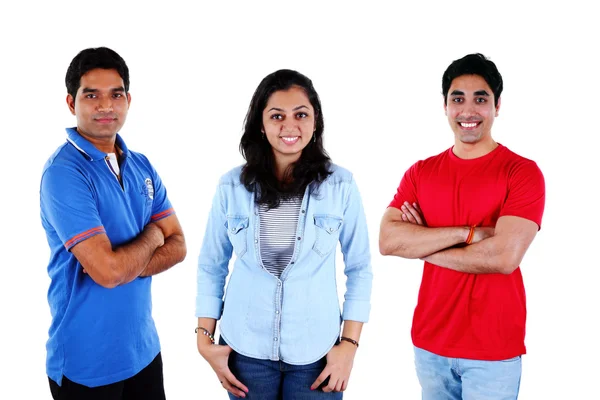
258	174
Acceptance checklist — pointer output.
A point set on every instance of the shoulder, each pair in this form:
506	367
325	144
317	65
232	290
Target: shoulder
517	164
231	177
338	175
66	161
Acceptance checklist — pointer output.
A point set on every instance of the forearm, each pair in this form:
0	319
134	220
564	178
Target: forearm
485	257
407	240
131	259
171	253
352	329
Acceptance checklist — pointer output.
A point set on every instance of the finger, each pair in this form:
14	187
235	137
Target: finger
339	385
232	389
345	385
320	379
331	385
409	215
416	206
404	217
416	215
234	381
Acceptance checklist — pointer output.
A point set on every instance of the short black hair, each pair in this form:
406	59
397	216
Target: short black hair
92	58
473	64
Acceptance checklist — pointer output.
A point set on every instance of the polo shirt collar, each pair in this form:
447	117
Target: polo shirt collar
88	149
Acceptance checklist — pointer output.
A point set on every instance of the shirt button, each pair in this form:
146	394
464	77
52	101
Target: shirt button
276	311
255	240
278	283
292	262
330	229
303	211
299	238
274	339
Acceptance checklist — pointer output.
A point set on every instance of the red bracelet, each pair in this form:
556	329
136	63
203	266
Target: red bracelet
470	236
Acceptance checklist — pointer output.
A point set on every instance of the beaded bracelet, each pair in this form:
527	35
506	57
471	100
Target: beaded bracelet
205	332
354	342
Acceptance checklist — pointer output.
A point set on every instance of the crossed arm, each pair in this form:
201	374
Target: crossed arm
493	250
157	248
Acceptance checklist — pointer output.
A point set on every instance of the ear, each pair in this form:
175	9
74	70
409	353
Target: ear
128	100
445	108
498	106
71	104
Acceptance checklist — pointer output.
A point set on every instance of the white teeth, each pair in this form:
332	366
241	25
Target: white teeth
290	139
468	125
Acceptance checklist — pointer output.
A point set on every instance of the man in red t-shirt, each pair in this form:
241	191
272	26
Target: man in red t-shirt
470	213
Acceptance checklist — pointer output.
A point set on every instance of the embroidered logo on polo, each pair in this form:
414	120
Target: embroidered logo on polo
148	189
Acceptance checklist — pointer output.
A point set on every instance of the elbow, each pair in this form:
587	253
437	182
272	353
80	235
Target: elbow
181	251
107	276
508	264
386	248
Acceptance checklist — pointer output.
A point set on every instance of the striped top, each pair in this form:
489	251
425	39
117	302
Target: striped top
278	233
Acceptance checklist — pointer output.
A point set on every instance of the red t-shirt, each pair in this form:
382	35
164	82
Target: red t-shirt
462	315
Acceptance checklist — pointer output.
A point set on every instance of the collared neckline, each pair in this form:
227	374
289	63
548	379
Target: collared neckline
88	149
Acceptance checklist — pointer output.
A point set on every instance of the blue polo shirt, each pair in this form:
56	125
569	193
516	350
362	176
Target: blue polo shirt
98	336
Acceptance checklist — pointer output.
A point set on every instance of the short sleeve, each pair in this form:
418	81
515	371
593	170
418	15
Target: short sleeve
68	204
161	206
407	190
526	193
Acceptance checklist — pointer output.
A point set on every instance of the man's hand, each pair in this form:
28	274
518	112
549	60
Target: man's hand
412	213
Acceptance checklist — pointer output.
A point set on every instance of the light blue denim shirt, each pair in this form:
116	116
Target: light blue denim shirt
297	317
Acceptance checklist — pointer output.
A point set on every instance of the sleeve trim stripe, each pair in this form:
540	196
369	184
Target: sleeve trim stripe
86	234
163	214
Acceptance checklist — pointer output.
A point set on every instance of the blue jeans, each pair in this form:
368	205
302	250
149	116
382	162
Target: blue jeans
275	380
444	378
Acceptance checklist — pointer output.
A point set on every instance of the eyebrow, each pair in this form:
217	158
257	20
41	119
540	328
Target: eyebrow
91	90
477	93
279	109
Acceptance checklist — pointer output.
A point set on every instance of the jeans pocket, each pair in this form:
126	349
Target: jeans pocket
513	359
237	230
327	233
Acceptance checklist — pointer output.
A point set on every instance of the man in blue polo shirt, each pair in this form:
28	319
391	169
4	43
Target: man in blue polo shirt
110	227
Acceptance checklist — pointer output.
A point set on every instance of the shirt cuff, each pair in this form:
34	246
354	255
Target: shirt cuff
208	307
356	310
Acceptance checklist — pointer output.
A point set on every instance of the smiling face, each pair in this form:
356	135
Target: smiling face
100	106
288	123
470	109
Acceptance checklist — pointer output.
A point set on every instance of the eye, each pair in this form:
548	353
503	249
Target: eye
117	95
90	96
481	100
301	115
457	100
276	116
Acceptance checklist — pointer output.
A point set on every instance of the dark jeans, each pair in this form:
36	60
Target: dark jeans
145	385
275	380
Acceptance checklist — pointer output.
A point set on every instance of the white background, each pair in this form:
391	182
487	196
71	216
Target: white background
377	68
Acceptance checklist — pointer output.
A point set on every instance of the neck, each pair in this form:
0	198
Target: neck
282	163
468	151
106	145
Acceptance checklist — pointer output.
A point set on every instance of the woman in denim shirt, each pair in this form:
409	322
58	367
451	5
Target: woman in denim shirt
282	213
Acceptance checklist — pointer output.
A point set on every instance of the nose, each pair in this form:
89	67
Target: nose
288	127
105	104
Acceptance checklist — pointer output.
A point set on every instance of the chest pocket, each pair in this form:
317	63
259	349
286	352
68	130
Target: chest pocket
237	230
327	233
